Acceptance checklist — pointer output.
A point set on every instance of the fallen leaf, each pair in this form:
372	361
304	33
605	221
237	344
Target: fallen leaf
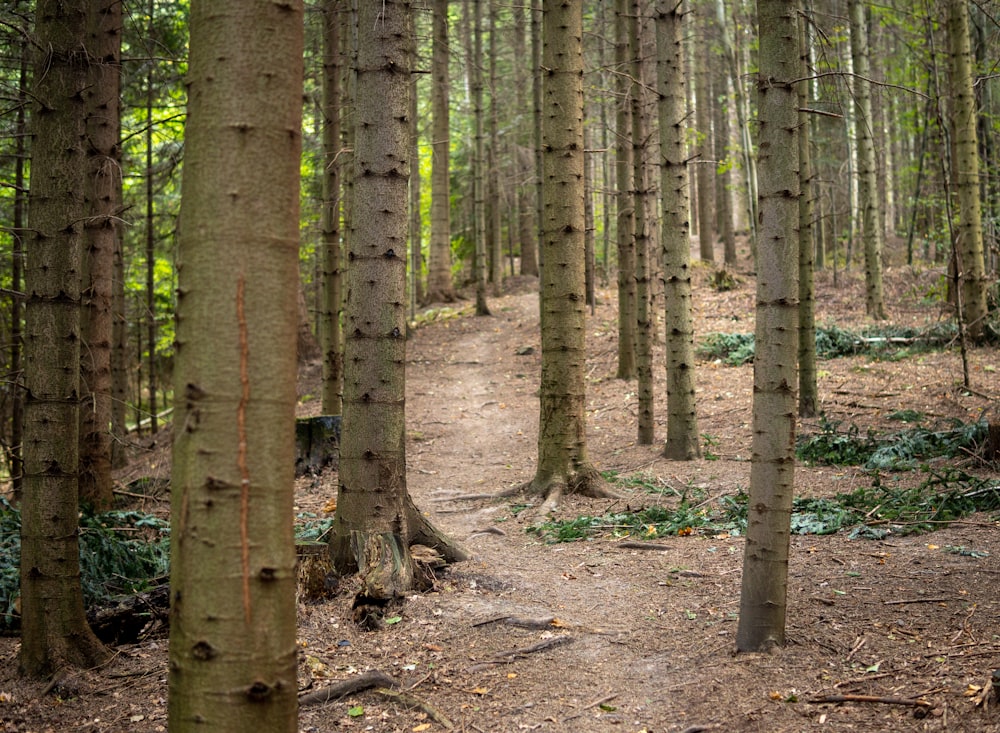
422	726
331	506
479	690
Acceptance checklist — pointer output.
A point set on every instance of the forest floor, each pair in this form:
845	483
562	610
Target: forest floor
594	635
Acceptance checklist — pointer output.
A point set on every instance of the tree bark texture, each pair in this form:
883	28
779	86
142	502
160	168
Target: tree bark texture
644	197
765	559
562	444
439	285
868	193
682	421
331	338
972	268
625	198
808	398
376	521
54	630
232	618
101	234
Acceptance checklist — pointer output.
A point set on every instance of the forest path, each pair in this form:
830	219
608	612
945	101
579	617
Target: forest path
472	415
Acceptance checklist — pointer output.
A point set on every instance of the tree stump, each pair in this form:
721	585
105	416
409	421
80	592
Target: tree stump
315	571
993	442
317	444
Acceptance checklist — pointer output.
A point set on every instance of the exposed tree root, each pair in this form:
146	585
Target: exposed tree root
411	701
371	678
515	654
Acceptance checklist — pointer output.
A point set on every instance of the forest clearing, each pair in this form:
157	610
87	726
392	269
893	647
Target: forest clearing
593	635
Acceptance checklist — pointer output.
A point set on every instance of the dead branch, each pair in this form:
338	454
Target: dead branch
413	702
913	702
514	654
371	678
903	601
637	545
542	622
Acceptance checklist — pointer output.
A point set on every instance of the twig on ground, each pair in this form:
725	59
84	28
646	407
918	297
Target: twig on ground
509	657
411	701
543	622
903	601
913	702
371	678
594	704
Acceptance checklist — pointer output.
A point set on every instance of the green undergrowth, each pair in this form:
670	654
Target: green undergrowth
897	451
869	512
121	553
883	342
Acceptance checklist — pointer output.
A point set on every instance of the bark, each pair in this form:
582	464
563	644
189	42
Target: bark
439	282
495	207
971	268
682	422
705	168
868	193
625	200
16	455
808	399
645	203
376	521
563	464
101	232
480	265
765	559
331	283
723	176
233	576
54	631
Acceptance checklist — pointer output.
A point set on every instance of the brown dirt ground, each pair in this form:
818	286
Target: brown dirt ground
644	640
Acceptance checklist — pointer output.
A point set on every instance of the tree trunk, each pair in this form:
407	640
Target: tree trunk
480	264
645	214
705	168
868	195
376	521
492	174
233	576
16	456
332	297
682	422
54	631
627	315
439	282
971	268
765	558
808	398
103	206
563	464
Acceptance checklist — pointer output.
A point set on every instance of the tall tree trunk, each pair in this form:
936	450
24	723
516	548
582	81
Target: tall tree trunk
644	217
746	145
332	297
765	559
536	91
439	282
808	398
495	200
868	194
682	421
150	319
625	198
232	616
54	631
705	168
563	464
416	215
376	521
971	268
723	176
478	158
16	465
101	232
526	227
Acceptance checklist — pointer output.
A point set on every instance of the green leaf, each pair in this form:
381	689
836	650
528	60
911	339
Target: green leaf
394	620
357	711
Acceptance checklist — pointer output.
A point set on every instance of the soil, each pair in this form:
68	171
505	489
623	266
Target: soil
597	636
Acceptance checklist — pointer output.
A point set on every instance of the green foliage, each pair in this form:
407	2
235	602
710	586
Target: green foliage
121	552
943	496
891	452
883	342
